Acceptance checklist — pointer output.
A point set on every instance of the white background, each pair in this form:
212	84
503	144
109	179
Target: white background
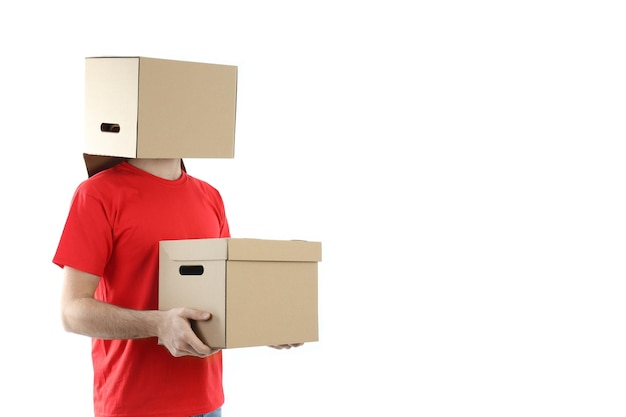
461	162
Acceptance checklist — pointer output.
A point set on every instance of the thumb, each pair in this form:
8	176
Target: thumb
198	314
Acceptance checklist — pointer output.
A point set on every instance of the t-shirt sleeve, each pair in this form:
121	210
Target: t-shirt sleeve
224	229
86	240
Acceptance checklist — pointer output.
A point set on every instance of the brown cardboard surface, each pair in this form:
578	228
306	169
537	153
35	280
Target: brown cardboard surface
260	292
139	107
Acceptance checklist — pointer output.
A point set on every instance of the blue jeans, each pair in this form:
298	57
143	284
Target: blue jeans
216	413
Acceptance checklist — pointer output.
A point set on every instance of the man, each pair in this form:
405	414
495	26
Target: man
109	248
109	254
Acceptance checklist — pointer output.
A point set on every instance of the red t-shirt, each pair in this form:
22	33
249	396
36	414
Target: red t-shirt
115	223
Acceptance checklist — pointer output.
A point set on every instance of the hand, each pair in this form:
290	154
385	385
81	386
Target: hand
289	346
176	334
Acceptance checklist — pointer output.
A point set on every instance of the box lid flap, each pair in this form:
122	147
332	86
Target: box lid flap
194	249
274	250
97	163
242	249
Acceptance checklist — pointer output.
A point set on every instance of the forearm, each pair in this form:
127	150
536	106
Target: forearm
97	319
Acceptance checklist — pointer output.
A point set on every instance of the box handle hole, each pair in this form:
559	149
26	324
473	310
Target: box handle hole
191	270
110	127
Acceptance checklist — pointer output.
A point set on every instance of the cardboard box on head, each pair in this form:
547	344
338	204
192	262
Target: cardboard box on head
138	107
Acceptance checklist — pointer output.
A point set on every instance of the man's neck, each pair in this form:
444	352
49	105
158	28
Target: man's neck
169	169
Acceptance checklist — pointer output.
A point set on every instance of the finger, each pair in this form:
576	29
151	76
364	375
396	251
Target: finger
197	347
182	349
187	349
287	346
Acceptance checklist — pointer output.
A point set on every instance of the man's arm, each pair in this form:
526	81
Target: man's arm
81	313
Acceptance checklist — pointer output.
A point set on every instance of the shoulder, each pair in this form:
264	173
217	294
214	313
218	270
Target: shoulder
105	183
196	182
206	190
